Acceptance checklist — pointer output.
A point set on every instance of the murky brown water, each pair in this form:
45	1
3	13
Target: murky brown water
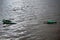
30	16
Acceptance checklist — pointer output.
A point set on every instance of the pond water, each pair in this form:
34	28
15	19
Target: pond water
30	16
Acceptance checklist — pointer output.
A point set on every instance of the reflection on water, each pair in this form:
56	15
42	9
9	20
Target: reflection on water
29	16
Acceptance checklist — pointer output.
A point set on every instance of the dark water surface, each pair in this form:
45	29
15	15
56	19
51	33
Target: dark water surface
30	16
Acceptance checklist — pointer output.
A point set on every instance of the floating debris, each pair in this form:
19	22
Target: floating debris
51	22
7	22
